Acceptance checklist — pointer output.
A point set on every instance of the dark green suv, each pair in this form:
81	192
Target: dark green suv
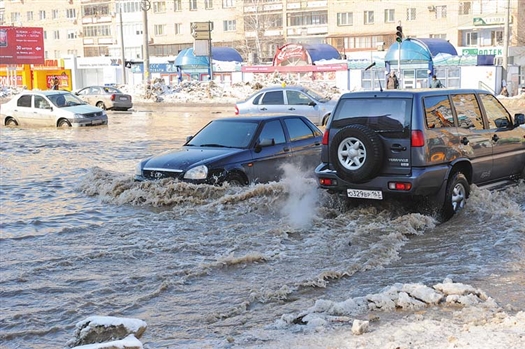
430	144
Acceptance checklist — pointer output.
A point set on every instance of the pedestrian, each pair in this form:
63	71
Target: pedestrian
436	83
392	82
56	83
504	91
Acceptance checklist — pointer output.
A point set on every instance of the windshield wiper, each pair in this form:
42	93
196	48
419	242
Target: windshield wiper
214	145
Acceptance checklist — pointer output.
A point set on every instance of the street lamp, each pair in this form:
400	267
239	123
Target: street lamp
145	5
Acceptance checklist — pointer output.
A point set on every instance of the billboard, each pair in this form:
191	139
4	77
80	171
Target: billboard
21	45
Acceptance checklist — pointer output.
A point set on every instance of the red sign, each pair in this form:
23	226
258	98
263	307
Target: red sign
21	45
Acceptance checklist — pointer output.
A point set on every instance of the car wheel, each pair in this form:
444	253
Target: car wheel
64	123
11	122
101	105
458	190
357	153
235	180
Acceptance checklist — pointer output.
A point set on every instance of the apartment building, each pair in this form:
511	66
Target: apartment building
256	28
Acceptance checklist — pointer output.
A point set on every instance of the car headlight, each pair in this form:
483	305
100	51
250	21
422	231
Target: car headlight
79	116
199	172
138	169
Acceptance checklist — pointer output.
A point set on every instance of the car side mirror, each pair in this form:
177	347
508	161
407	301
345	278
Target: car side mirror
189	138
519	119
501	122
265	142
312	104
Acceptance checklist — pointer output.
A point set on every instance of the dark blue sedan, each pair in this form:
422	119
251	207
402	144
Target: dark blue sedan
240	151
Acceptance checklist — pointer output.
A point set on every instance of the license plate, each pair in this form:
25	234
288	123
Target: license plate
365	194
123	98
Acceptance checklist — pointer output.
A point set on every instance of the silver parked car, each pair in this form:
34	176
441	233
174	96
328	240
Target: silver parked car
50	108
298	100
106	97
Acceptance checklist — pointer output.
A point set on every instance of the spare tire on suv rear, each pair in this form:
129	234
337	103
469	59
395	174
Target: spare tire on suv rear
356	153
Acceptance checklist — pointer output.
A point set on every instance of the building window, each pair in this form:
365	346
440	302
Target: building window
177	5
54	14
72	52
71	34
97	30
178	28
438	36
96	10
193	5
465	8
441	11
15	17
411	14
128	7
159	29
56	34
29	15
307	18
71	13
230	26
369	17
42	14
496	37
159	7
208	4
389	15
472	39
345	18
57	54
228	3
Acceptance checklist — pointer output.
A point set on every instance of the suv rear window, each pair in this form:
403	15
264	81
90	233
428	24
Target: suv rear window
380	114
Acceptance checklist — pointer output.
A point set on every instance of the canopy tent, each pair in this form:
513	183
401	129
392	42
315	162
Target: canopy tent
187	59
304	54
419	50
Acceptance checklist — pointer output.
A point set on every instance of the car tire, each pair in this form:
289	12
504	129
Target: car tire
64	123
356	153
101	105
11	122
458	190
235	180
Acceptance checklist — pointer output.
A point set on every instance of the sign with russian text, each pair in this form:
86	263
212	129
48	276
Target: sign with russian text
21	45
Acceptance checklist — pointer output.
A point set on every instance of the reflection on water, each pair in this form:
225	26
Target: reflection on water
201	264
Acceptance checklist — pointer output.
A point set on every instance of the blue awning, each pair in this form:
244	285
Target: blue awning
419	50
319	52
186	57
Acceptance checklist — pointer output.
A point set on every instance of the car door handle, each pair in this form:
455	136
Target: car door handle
286	149
264	108
291	108
495	138
464	140
398	147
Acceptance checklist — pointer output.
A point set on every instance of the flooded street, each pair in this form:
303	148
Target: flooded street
210	267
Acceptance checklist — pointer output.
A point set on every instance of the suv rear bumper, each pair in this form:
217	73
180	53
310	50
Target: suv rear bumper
425	181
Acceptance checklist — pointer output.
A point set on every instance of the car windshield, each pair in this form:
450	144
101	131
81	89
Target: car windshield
62	100
225	133
315	95
111	90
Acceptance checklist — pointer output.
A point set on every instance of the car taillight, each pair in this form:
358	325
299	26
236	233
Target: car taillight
327	181
236	110
402	186
417	138
112	97
326	135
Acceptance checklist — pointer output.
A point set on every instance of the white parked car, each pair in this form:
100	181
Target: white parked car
50	108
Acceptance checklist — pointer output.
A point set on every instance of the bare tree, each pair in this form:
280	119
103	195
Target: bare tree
263	29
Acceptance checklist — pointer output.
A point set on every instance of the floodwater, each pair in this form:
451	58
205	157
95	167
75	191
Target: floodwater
209	267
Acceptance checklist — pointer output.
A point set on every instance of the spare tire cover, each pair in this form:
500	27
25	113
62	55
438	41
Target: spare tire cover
356	153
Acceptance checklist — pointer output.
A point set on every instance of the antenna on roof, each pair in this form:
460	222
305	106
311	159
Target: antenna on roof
370	66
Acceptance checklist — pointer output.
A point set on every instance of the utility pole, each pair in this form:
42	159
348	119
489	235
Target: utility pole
123	56
145	5
506	39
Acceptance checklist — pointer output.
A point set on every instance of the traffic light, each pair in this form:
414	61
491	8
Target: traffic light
399	33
